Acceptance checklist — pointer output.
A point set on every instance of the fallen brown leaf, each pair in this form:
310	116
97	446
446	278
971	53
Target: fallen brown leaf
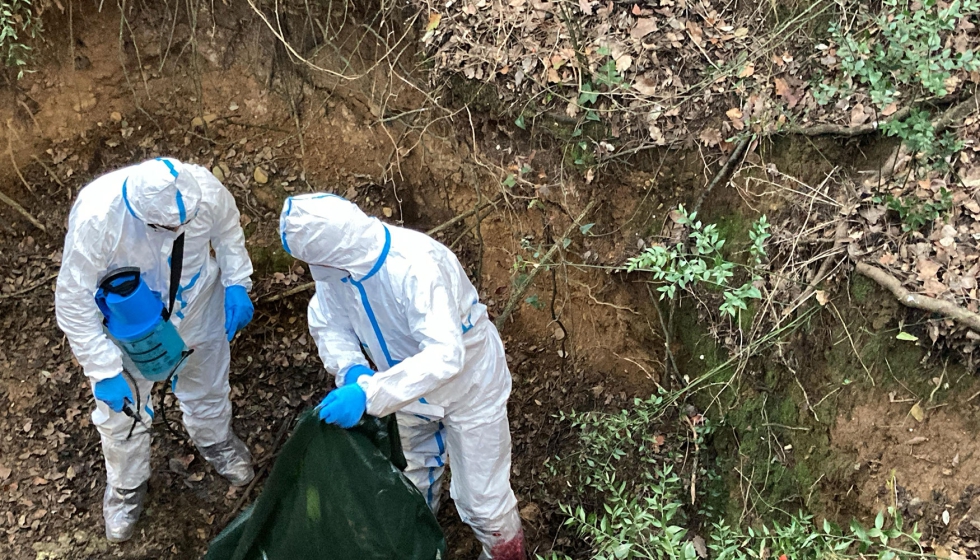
917	412
711	137
643	27
927	269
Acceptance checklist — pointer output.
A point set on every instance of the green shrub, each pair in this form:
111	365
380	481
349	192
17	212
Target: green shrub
18	24
640	512
679	268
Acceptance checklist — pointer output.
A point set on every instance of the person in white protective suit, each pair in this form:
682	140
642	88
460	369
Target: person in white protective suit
134	217
405	300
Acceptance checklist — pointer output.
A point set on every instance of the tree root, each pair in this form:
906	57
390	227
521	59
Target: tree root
948	309
516	295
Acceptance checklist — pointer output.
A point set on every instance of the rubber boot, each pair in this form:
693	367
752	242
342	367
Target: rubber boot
231	459
121	510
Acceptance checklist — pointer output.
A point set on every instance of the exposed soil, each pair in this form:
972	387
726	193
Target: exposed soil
585	338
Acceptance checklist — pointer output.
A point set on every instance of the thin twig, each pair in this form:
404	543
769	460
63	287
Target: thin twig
290	292
663	325
10	152
30	288
843	130
464	215
49	170
20	209
851	340
519	292
726	171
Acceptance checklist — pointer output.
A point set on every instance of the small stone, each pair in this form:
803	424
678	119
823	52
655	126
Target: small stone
85	104
210	118
260	176
197	122
218	173
116	116
387	212
233	106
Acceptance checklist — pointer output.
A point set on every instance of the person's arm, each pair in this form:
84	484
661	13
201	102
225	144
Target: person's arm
433	318
227	237
338	346
83	260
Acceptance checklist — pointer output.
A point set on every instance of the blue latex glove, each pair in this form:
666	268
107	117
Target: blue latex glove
238	310
343	406
114	391
354	372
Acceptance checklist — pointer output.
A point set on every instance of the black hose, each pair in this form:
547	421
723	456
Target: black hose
163	394
136	390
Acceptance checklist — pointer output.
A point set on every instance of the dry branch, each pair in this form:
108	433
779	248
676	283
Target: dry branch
947	118
957	113
917	301
840	239
20	210
516	295
266	461
845	130
727	170
465	215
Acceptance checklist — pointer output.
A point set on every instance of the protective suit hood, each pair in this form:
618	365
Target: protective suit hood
162	192
327	230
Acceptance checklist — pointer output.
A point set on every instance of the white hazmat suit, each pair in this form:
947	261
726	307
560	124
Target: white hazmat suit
115	222
405	300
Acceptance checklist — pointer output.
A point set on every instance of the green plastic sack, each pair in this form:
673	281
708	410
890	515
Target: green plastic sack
335	494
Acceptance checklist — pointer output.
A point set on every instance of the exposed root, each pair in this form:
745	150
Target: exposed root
948	309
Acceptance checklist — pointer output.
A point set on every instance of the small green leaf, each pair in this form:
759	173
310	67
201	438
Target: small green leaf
584	230
906	336
520	123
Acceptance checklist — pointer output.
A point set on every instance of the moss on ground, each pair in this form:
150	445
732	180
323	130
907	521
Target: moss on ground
271	259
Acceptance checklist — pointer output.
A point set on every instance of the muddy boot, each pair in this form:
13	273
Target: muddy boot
231	459
121	510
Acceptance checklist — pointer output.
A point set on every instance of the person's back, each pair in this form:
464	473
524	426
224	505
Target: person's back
405	299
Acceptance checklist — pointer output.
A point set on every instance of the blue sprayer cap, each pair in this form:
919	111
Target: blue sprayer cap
133	308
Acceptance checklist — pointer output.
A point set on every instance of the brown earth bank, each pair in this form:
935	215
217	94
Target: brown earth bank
112	90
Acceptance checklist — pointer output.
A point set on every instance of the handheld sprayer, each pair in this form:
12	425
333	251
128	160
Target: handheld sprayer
138	322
